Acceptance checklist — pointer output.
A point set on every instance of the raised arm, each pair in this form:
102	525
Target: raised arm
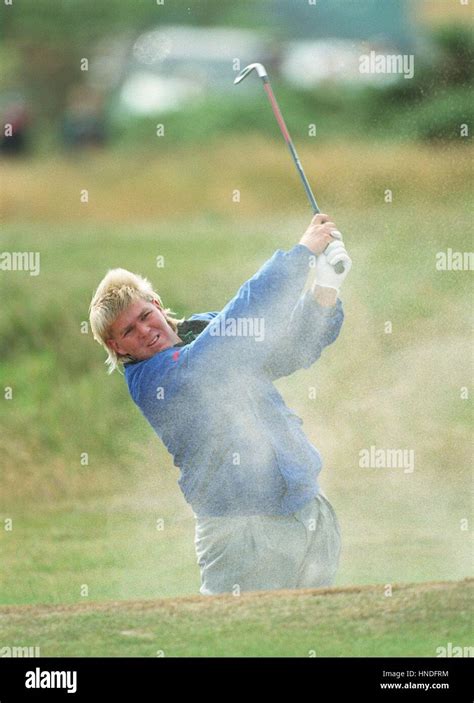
312	326
318	316
255	322
245	330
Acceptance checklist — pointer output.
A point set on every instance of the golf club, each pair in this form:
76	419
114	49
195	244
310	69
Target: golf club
261	72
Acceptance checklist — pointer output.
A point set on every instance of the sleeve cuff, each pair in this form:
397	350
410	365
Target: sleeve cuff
302	249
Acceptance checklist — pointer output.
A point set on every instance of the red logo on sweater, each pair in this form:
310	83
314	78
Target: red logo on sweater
175	355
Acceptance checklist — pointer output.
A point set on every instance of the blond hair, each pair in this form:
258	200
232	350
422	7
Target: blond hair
118	289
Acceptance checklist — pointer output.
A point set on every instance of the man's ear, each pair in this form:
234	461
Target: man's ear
112	344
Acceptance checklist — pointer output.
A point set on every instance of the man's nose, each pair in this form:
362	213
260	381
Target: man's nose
143	329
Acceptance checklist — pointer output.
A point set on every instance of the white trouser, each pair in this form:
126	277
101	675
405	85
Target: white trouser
260	552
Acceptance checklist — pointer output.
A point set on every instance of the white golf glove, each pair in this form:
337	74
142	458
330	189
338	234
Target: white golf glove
325	262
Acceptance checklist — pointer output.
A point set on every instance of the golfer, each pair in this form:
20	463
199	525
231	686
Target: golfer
206	387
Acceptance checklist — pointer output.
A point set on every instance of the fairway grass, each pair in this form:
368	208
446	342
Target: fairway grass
365	621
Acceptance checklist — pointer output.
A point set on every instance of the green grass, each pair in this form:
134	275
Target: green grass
357	622
113	546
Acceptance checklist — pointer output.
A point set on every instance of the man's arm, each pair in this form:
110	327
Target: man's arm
317	318
265	303
252	322
314	325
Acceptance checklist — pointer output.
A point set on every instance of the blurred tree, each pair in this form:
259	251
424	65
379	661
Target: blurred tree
50	38
456	44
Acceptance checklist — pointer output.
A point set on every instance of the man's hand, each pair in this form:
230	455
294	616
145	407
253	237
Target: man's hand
320	233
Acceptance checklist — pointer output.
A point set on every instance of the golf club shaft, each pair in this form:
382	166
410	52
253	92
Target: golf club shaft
262	73
339	267
286	136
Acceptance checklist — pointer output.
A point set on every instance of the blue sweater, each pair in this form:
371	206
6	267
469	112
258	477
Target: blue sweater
240	449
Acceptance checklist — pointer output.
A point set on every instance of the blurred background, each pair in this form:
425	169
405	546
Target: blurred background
128	142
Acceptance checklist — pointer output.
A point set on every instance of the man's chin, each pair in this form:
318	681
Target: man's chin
154	349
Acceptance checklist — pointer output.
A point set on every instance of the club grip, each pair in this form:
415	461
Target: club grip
339	267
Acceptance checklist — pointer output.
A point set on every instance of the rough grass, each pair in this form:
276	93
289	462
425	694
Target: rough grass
358	622
159	181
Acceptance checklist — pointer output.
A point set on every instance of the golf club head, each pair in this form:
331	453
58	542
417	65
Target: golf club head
260	68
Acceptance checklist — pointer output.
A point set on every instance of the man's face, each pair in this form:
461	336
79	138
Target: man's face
141	331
